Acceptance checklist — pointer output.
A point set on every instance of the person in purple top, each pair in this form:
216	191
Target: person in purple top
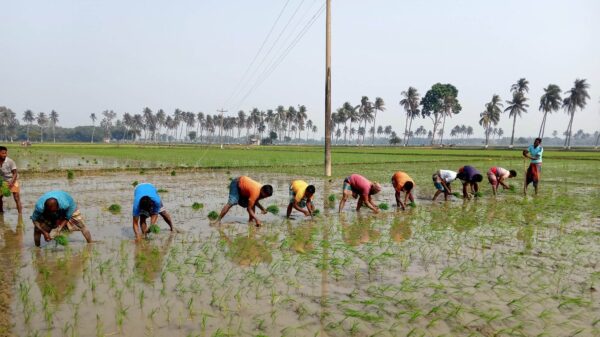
470	177
358	186
147	204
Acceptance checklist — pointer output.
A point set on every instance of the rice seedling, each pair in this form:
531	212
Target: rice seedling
162	190
197	205
61	240
213	215
316	212
173	173
154	229
5	190
135	183
273	209
478	194
383	206
70	175
114	208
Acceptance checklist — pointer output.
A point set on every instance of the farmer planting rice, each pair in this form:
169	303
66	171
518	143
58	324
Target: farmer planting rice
147	204
498	175
246	193
441	181
358	186
301	195
402	182
533	152
8	169
56	211
470	178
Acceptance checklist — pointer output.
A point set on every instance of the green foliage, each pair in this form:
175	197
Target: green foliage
114	208
383	206
173	173
273	209
478	194
70	174
213	215
331	198
412	204
5	190
197	205
316	212
433	101
61	240
154	229
456	194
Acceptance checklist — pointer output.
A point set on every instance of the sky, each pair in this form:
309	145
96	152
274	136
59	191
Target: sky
80	56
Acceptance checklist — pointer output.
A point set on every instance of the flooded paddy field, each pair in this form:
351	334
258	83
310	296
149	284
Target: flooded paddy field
506	265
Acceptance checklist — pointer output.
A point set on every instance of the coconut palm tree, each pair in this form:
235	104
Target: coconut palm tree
42	122
515	108
53	122
379	105
549	102
29	118
490	116
93	118
577	98
365	111
410	103
522	86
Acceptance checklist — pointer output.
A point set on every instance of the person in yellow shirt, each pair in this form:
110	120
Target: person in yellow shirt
301	194
402	182
246	192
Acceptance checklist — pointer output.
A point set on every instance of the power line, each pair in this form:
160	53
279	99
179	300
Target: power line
272	47
276	62
258	52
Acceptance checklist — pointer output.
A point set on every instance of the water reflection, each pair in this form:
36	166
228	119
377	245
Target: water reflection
247	249
59	272
400	229
10	259
360	230
149	258
302	237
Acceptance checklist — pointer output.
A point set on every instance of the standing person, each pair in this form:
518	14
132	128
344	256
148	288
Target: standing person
441	181
358	186
246	192
147	204
534	171
470	178
402	182
54	211
498	175
301	195
8	169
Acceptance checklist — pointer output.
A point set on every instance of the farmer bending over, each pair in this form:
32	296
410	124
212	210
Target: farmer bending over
497	175
246	192
441	181
301	194
54	212
147	204
358	186
470	178
402	182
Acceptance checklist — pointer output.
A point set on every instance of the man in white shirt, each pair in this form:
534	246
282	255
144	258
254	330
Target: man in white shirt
442	180
8	169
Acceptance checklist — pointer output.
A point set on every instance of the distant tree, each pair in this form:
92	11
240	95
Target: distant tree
576	98
490	116
554	133
42	122
192	135
107	122
53	121
549	102
515	108
93	118
597	135
379	105
29	118
440	101
410	103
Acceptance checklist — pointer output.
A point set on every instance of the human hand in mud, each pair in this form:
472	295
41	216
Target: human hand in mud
306	213
47	236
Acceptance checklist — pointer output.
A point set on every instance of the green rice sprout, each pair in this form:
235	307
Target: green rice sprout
114	208
154	229
478	194
456	194
173	173
162	190
412	204
512	188
273	209
331	198
61	240
213	215
197	205
135	183
70	174
316	212
383	206
5	190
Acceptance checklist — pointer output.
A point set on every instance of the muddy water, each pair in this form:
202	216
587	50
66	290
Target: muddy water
491	266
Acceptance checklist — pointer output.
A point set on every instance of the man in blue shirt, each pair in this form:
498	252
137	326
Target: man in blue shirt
53	212
147	204
534	152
